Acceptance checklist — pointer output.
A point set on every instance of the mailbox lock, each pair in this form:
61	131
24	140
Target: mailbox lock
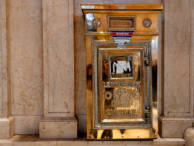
108	95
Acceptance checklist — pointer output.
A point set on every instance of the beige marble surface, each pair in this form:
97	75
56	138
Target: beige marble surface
58	46
80	80
174	127
178	68
21	140
169	141
7	126
27	124
58	128
192	53
4	96
58	56
25	39
178	100
1	52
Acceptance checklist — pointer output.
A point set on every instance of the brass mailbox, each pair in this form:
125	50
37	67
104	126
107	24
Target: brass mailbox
121	46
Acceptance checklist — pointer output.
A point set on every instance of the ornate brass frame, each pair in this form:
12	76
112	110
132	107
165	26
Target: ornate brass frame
132	126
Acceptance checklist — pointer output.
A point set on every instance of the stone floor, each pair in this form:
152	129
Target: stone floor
34	140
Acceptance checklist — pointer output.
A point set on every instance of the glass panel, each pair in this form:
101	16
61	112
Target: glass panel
120	87
121	66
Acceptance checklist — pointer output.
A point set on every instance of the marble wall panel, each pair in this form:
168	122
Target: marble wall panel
1	79
80	80
174	129
7	122
192	53
27	124
58	55
3	62
177	54
25	38
58	58
58	129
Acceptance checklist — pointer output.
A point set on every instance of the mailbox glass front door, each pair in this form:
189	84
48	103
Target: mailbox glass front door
122	87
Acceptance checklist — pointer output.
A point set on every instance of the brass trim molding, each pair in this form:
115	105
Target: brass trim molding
134	34
151	7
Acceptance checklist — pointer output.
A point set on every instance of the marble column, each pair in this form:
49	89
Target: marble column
58	54
6	121
189	133
178	95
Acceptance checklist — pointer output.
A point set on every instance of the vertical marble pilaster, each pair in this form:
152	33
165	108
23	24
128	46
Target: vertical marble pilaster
58	56
178	98
6	121
26	64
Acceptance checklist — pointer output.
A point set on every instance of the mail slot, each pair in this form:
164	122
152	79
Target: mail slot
121	45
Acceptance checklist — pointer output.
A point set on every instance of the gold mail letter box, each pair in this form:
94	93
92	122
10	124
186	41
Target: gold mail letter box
121	46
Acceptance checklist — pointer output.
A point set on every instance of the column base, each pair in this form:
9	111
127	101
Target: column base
7	127
170	127
58	128
188	136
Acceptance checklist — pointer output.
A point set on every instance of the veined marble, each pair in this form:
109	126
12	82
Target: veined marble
25	39
58	60
7	123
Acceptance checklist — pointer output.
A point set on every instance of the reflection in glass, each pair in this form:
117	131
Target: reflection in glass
105	70
121	66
